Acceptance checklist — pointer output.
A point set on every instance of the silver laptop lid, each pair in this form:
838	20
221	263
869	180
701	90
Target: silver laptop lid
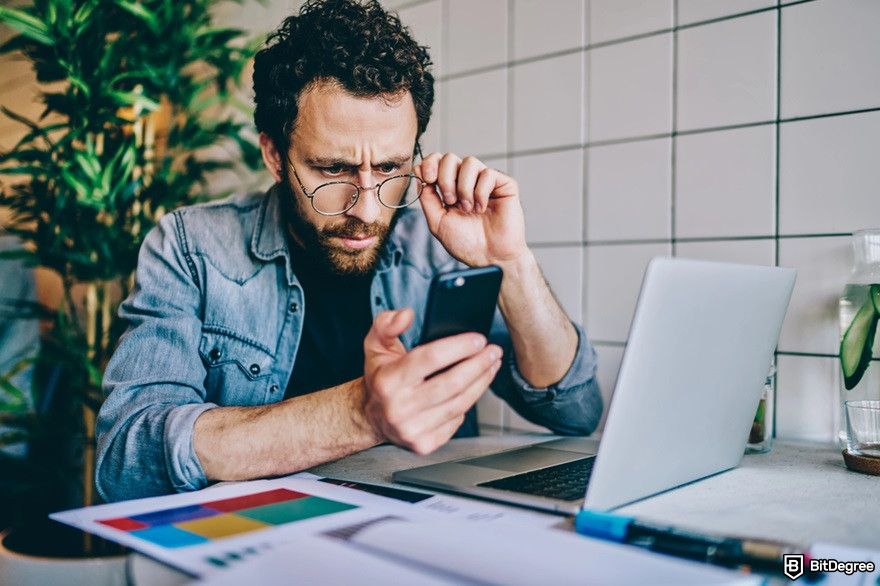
700	345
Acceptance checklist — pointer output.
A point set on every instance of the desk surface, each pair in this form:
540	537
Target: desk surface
799	492
796	492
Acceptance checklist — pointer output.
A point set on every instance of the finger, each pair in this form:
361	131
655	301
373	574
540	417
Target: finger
429	166
483	189
438	437
467	178
439	415
425	360
432	207
447	384
386	328
446	177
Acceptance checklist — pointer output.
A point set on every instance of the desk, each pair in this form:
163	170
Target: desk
798	492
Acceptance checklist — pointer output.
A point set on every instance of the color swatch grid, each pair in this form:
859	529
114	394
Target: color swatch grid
205	522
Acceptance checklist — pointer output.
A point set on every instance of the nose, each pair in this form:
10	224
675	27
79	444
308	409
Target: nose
367	209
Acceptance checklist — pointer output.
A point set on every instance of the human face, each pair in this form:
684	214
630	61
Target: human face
341	137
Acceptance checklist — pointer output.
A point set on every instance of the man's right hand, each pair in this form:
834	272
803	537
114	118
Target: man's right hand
407	405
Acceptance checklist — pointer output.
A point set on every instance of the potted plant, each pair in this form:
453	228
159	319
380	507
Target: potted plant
140	110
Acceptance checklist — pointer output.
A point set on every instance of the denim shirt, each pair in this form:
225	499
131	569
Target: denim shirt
215	318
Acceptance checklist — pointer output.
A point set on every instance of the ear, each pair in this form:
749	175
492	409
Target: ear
271	157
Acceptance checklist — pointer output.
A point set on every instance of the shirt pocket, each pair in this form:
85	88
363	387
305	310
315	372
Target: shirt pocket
238	372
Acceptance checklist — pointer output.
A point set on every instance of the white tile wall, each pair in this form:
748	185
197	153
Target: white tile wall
823	266
609	364
691	11
477	34
426	23
628	190
551	190
614	276
563	268
548	105
828	173
476	109
806	397
829	57
614	19
630	89
541	27
750	252
725	183
727	72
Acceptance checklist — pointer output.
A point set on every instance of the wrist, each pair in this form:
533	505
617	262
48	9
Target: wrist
358	408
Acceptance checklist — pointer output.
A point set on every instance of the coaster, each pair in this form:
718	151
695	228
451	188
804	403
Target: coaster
863	464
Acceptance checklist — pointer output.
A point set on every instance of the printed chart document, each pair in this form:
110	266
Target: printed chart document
274	531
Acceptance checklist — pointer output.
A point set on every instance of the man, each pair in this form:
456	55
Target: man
272	332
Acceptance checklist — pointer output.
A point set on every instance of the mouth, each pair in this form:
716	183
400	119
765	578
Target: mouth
356	242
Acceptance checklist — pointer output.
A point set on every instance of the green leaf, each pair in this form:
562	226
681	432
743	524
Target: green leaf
135	99
80	85
27	25
142	13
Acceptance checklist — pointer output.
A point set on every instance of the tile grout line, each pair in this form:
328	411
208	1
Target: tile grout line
647	137
776	206
585	172
673	140
601	44
509	87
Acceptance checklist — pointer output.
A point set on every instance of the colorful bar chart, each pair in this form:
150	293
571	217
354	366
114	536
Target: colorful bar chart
205	522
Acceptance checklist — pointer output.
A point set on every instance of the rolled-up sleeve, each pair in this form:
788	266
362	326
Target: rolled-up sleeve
572	406
154	383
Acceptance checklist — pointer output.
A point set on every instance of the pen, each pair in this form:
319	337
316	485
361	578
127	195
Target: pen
746	554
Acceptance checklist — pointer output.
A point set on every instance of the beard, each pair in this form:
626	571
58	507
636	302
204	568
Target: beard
318	242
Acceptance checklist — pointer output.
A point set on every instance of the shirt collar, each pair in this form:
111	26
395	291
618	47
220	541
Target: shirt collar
269	241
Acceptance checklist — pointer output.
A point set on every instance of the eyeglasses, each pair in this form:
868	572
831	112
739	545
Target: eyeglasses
337	197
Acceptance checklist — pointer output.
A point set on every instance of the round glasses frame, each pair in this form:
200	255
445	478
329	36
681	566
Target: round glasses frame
358	189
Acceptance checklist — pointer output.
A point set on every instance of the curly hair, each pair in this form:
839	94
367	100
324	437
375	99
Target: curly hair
356	44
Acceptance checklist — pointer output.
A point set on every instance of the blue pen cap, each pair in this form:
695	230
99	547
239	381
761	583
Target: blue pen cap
602	525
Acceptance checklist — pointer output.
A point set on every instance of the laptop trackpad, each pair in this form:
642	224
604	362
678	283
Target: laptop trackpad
524	459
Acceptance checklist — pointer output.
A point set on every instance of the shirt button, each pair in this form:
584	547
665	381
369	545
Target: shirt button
294	307
215	354
378	301
273	389
255	369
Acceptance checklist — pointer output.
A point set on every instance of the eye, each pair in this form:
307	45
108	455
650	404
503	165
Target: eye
388	168
333	171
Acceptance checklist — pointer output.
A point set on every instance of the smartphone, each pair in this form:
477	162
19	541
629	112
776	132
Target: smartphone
461	301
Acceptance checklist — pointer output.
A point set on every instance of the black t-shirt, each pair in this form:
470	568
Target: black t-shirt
337	319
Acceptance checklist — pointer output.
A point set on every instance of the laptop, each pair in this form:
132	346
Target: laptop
700	345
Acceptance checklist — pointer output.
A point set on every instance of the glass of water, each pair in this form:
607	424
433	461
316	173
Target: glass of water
863	428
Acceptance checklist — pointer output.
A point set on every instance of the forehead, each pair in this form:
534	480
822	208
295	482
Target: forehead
330	119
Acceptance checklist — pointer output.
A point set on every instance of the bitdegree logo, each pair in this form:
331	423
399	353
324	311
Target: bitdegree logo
793	566
848	568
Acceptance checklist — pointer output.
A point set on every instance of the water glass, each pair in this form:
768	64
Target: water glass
863	428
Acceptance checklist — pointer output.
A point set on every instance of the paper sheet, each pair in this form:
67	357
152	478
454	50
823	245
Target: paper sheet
526	556
319	560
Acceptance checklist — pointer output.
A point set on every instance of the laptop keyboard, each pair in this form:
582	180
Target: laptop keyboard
565	481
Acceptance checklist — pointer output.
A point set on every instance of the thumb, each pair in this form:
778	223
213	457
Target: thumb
386	328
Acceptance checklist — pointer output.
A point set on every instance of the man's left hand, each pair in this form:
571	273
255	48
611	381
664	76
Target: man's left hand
473	210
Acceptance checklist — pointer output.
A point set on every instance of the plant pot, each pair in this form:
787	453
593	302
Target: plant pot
47	552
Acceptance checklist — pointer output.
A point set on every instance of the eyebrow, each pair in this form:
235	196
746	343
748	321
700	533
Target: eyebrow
339	162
